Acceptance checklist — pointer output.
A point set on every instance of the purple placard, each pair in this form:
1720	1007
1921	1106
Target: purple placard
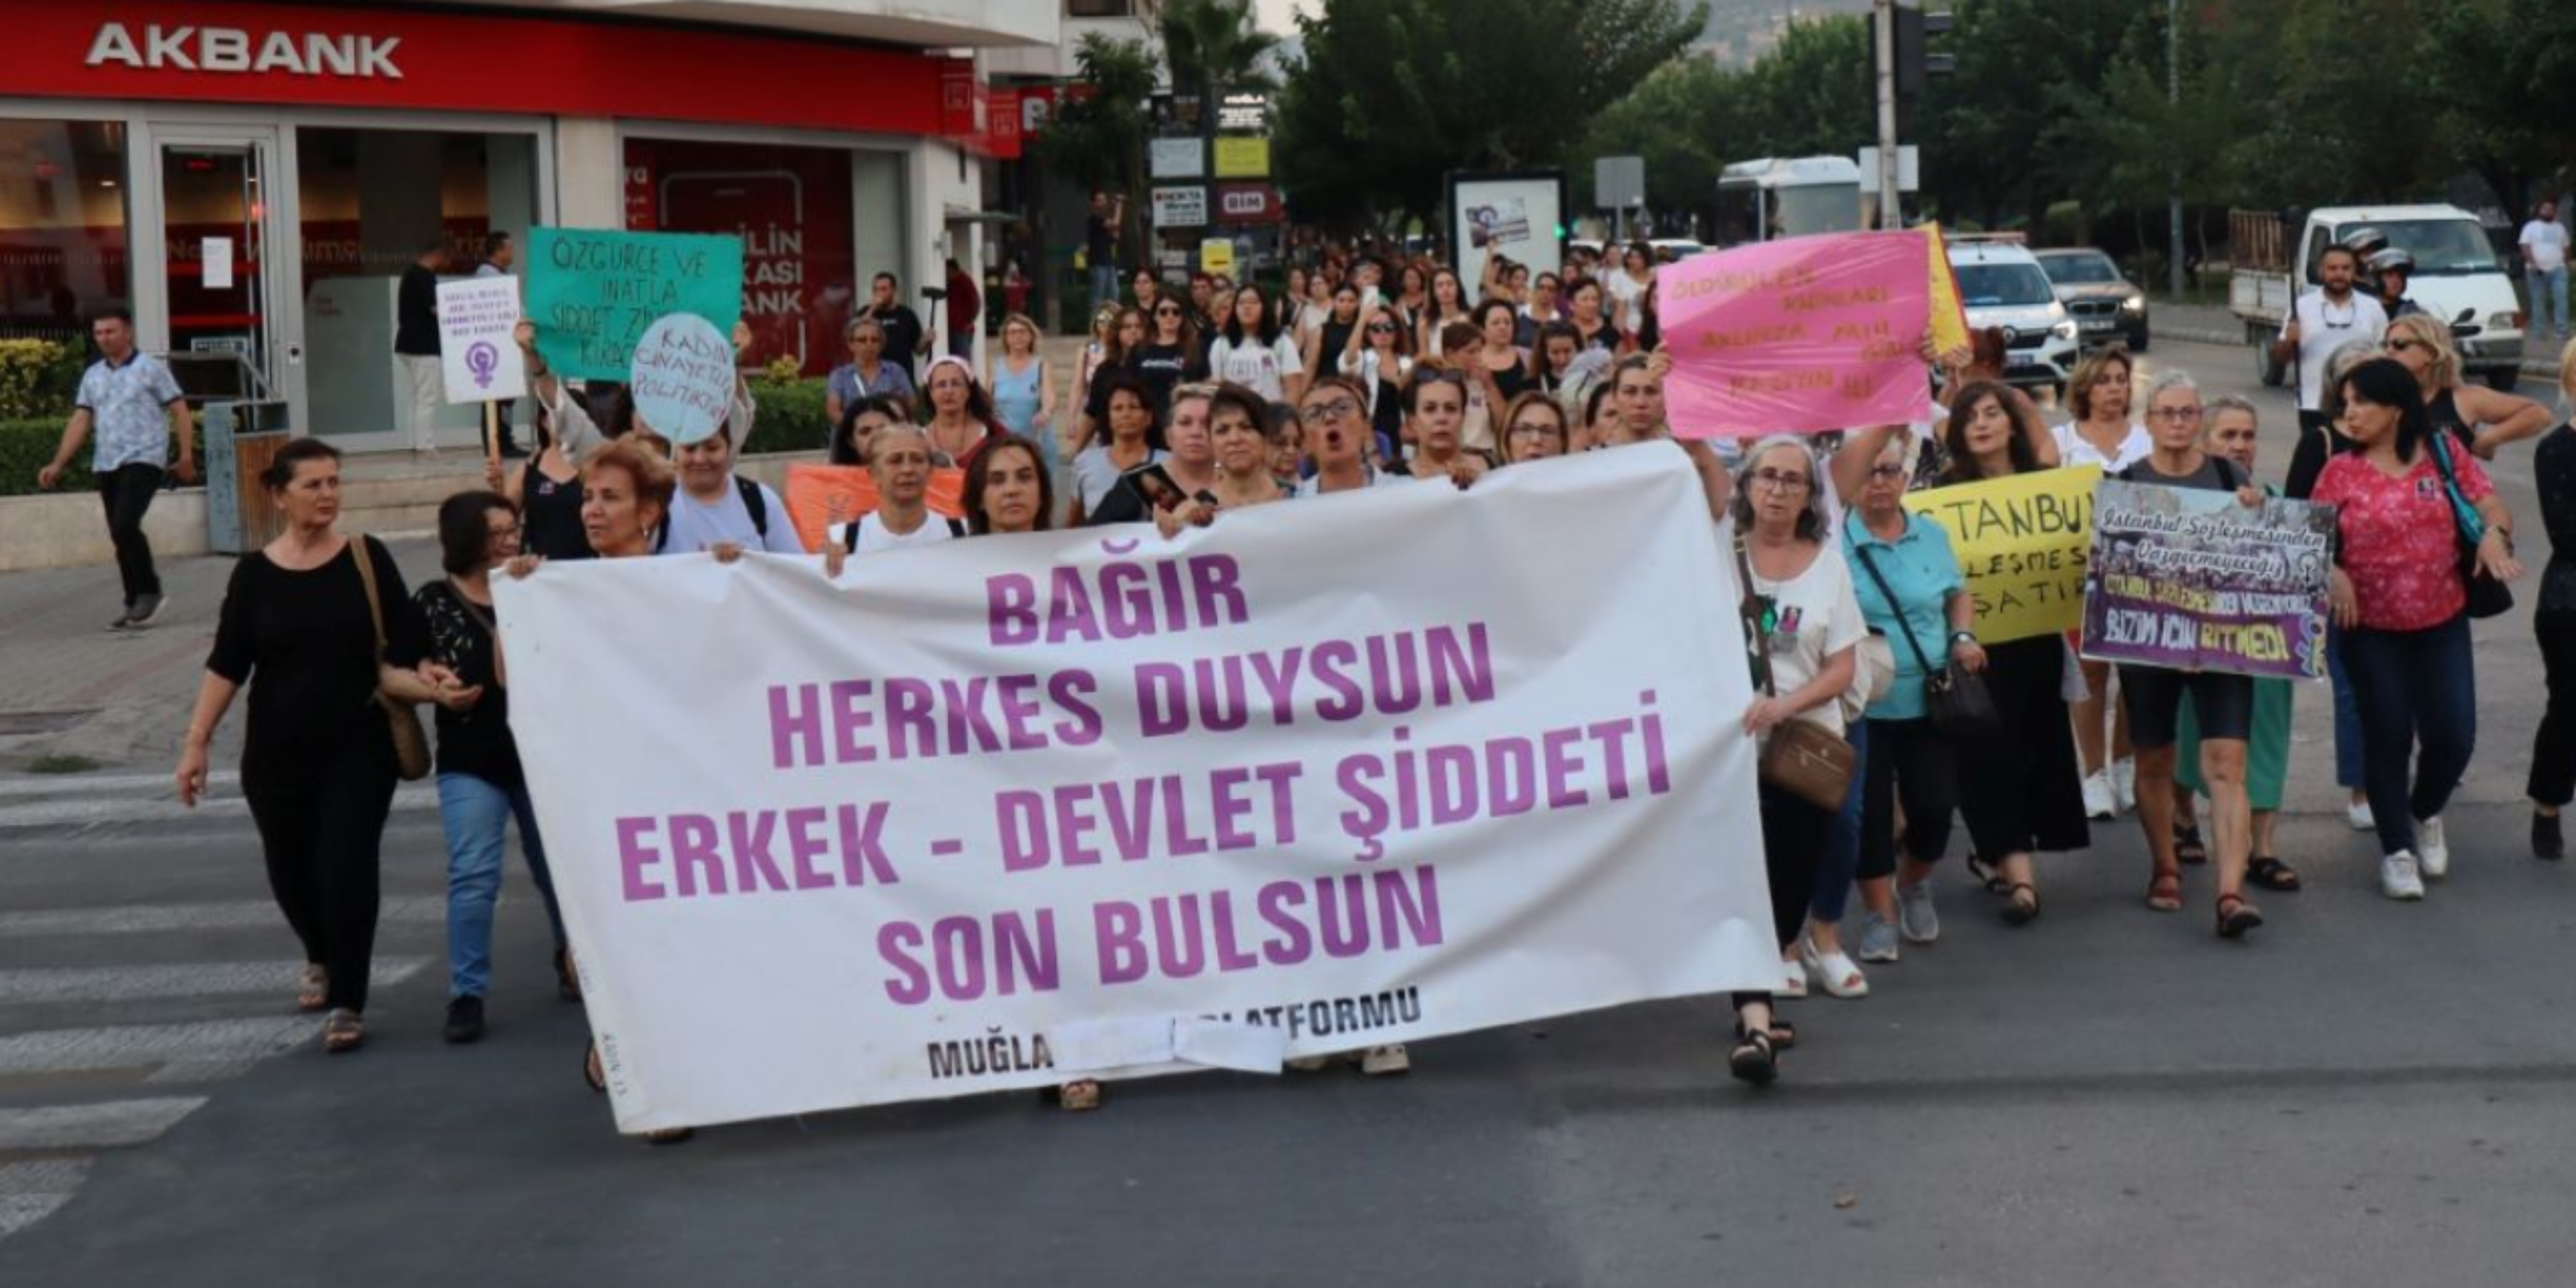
2191	579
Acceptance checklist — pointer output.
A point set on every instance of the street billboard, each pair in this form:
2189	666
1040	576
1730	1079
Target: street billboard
1518	215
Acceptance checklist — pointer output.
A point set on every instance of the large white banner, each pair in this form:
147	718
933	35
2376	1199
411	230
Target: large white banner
1008	811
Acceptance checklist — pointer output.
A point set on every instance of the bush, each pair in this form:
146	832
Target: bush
30	373
790	418
26	446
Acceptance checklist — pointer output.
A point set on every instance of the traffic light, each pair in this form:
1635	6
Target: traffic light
1916	62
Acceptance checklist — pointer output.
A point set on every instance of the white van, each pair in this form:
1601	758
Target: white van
2457	278
2002	285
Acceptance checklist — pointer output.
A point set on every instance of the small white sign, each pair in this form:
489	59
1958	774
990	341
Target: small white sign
215	256
478	357
683	378
1176	159
1180	207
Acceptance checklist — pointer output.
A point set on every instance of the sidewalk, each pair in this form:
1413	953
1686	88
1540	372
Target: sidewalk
69	687
2209	324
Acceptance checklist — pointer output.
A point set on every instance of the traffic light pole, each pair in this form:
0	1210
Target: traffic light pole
1883	30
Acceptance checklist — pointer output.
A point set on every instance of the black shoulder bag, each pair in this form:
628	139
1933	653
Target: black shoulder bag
1953	696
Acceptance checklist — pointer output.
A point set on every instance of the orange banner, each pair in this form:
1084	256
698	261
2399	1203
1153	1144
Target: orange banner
819	496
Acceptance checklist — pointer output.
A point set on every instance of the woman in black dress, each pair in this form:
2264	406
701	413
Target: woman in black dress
2022	792
318	763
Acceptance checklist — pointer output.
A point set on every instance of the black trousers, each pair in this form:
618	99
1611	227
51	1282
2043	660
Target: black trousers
1908	760
321	825
1793	836
2553	747
127	493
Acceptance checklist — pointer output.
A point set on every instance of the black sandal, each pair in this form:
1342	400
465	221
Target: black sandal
2020	911
2235	916
1984	870
567	980
1755	1058
2271	873
1784	1035
2188	847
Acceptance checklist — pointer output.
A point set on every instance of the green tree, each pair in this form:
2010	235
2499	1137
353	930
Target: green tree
1100	138
1215	45
2500	79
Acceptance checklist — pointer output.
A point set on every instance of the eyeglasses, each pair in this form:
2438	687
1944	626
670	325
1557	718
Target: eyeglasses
1337	409
1539	427
1885	472
1381	328
2176	414
1167	313
1780	480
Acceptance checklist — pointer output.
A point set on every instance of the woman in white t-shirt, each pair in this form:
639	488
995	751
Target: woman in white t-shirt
1254	352
1628	285
1803	629
2102	433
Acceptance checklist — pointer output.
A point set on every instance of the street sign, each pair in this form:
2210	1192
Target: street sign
1249	203
1216	256
1909	168
1618	182
1180	207
1176	159
1243	112
1243	158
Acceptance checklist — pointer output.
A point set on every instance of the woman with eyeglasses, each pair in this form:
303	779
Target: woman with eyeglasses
1534	428
961	412
2400	595
1254	352
1129	438
1170	355
2022	792
2552	783
1435	413
2482	419
1338	439
1907	579
1382	369
1802	631
2103	434
481	786
867	373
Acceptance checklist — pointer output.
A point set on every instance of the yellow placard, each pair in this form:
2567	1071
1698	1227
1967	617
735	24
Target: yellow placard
2023	542
1949	320
1242	158
1216	256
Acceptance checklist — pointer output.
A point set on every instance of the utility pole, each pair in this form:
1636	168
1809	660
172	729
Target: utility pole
2173	98
1883	30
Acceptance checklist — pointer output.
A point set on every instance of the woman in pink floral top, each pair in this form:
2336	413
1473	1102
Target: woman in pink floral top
2398	593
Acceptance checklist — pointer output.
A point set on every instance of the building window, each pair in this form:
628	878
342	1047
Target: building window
791	208
63	247
1100	8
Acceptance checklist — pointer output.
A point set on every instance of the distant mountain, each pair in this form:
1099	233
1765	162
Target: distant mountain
1740	31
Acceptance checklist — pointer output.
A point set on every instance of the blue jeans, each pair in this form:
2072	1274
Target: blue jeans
2413	687
1841	855
2549	301
1104	290
477	817
2347	715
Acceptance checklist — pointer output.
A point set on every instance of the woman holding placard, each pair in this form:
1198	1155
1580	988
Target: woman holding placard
2103	434
2407	502
2022	792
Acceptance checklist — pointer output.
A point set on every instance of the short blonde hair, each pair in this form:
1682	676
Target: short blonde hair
2433	334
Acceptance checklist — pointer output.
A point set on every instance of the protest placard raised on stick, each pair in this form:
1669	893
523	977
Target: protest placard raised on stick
593	291
1802	335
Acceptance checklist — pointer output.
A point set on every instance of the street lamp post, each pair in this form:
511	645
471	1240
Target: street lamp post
2173	98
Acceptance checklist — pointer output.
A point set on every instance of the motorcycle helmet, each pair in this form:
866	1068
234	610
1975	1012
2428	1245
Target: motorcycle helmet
2365	242
2391	260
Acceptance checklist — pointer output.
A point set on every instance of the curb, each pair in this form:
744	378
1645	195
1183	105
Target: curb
2236	340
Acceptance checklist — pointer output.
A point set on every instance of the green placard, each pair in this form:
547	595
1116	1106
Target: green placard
592	291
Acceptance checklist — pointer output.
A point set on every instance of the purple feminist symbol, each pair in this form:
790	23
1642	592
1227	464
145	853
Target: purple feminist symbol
482	359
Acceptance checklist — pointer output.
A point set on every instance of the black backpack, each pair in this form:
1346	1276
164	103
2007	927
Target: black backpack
752	500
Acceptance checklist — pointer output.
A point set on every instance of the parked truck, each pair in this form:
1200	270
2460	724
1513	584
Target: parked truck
2273	259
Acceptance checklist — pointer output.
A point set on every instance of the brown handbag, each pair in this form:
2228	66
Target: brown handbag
1801	758
411	740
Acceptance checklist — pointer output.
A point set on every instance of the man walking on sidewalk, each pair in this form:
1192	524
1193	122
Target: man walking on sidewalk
416	341
126	396
2544	261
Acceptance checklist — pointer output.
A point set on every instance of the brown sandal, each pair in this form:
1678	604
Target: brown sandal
343	1031
2235	916
313	990
2164	893
1079	1095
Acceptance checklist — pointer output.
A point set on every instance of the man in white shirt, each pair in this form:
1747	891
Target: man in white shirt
899	461
2544	259
715	508
2320	322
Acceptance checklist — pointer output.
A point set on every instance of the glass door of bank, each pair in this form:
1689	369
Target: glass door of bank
222	260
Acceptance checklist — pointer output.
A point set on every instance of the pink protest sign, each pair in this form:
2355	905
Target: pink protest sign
1799	336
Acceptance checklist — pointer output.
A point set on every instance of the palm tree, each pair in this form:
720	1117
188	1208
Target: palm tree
1215	45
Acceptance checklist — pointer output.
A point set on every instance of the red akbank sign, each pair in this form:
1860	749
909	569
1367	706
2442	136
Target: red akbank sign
446	60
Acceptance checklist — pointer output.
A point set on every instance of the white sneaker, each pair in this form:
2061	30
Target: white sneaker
1379	1061
2097	795
1793	980
2358	814
1834	971
2397	877
2432	852
2124	784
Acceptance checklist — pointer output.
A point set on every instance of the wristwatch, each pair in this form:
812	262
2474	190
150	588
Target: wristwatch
1958	638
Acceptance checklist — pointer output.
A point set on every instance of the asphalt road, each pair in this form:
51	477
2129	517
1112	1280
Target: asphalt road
2365	1093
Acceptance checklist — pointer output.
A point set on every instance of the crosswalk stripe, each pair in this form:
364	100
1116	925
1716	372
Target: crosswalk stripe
114	1124
42	1176
18	1211
221	780
152	918
208	979
141	1045
81	810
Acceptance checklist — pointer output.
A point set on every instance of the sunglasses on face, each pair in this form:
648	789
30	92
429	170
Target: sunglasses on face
1167	313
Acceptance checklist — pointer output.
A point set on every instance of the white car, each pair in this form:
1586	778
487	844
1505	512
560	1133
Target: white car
2002	285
